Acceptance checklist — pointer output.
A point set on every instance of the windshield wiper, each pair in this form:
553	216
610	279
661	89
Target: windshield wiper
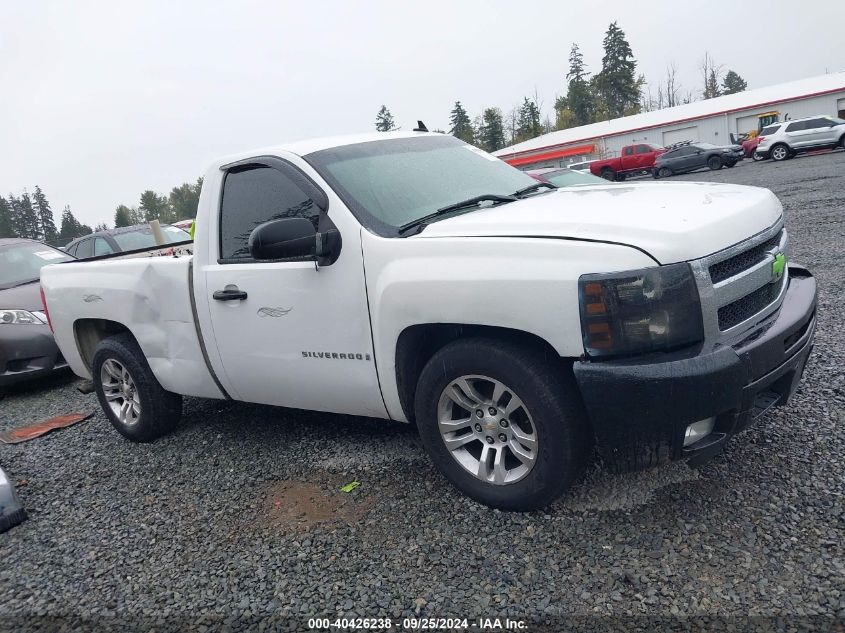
463	204
531	188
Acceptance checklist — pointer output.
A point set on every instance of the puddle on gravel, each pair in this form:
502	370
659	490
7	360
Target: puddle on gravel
303	505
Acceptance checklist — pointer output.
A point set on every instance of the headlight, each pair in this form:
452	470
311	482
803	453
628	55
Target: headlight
7	317
654	309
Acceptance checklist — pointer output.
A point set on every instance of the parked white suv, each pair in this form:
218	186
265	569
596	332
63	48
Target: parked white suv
783	140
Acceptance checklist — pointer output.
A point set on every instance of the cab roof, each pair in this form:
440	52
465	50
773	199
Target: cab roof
305	147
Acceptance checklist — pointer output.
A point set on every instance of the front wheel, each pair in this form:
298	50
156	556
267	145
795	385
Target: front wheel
780	152
503	424
714	163
608	174
131	397
664	172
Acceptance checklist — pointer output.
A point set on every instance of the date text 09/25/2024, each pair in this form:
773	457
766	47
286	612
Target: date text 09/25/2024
417	624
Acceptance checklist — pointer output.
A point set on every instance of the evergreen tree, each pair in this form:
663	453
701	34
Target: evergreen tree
733	83
617	86
184	200
461	126
123	216
45	217
101	227
528	121
7	222
28	218
15	216
155	207
579	98
491	132
564	116
384	120
71	228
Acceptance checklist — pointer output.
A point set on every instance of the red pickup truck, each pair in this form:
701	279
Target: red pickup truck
633	159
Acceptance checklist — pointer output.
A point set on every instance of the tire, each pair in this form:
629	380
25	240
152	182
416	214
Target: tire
757	156
714	163
842	142
608	174
731	163
664	172
779	152
620	177
149	411
547	408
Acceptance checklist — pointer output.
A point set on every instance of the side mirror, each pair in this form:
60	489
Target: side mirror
283	239
293	238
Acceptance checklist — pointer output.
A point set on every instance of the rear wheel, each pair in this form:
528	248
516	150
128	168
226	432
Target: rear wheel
501	423
608	174
714	163
780	152
131	397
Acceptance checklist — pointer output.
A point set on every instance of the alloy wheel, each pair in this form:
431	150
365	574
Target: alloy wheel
120	392
487	429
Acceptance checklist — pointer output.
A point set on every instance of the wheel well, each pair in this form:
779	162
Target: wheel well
90	332
418	343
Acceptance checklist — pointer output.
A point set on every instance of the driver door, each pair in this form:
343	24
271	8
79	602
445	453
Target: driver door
286	332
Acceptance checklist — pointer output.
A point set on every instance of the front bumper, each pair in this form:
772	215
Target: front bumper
640	408
26	352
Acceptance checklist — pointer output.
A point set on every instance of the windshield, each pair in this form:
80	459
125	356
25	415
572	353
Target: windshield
22	262
567	178
390	183
143	237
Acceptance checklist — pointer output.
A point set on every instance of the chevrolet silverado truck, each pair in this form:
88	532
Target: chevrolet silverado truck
632	160
412	277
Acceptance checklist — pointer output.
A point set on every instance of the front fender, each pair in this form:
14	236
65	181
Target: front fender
524	284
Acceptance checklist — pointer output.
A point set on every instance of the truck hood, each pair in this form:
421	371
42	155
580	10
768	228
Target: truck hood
672	222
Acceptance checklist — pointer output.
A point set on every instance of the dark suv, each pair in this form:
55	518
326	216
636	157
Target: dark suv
691	156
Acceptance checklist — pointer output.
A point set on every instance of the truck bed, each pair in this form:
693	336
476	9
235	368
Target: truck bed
151	296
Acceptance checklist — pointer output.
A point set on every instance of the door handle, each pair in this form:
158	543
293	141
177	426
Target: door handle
229	294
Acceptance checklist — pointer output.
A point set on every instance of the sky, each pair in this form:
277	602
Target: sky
101	100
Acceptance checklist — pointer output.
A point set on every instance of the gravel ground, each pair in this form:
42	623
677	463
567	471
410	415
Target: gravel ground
236	521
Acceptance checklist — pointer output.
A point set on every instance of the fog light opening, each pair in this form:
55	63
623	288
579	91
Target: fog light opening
698	430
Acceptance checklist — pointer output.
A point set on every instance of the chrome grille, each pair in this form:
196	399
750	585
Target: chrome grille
737	285
744	260
738	311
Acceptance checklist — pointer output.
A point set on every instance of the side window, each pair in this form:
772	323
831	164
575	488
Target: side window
101	247
817	124
796	127
253	195
643	149
85	248
766	131
629	151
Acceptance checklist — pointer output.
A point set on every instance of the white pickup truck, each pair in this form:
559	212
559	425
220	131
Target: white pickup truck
412	277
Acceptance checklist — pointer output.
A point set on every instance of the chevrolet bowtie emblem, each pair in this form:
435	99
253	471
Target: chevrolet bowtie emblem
778	267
